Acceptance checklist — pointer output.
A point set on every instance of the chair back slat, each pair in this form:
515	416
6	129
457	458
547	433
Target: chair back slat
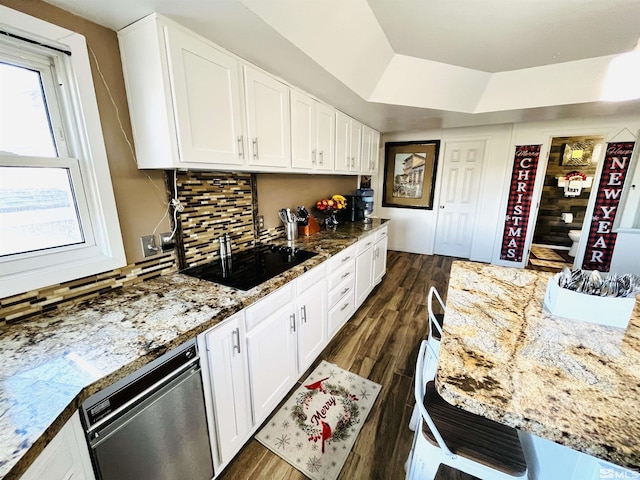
433	323
425	370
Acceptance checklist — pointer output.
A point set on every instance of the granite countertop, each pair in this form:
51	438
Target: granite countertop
52	363
507	358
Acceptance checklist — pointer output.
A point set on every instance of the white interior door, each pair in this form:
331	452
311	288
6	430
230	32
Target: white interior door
458	198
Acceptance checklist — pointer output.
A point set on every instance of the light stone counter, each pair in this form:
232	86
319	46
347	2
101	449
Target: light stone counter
50	364
504	356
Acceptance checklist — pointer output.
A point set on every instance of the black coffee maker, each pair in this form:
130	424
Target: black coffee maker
353	212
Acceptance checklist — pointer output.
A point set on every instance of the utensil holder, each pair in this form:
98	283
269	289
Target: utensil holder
291	230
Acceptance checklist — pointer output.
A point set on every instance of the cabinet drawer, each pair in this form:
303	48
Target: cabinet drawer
382	233
335	262
339	314
311	278
365	243
341	290
268	305
346	271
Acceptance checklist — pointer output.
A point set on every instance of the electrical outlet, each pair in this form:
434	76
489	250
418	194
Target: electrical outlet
149	247
166	242
260	222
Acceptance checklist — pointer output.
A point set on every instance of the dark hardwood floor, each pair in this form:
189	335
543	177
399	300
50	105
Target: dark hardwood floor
380	342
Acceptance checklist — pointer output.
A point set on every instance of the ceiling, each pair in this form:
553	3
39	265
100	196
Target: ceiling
401	65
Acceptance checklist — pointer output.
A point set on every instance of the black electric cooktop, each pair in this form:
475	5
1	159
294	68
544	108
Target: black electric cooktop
244	270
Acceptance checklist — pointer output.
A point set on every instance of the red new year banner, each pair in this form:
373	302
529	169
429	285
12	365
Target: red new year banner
601	237
519	205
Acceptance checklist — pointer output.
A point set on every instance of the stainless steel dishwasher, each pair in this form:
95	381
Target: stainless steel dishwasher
151	425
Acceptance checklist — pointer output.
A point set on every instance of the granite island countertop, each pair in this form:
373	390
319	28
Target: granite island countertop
504	356
50	364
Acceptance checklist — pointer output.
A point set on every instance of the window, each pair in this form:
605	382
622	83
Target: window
57	213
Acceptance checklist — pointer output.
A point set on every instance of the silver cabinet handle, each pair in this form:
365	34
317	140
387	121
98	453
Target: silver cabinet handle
292	318
344	291
303	314
240	147
321	157
345	274
344	306
236	344
367	244
313	157
346	258
255	148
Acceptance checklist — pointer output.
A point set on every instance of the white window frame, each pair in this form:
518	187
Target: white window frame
103	249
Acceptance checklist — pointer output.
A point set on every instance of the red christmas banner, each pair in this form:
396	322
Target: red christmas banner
601	237
525	165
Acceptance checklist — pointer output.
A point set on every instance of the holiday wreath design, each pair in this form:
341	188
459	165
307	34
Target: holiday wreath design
317	426
336	402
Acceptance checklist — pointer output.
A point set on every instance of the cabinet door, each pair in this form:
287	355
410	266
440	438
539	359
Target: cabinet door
365	154
379	260
268	120
364	273
312	324
303	131
375	152
343	137
355	145
207	93
229	384
66	457
326	139
272	359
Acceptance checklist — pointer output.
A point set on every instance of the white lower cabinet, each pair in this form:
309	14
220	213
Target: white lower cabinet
271	349
380	255
364	270
226	375
65	458
256	356
311	307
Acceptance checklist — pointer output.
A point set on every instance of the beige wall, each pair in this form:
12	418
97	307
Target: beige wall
276	191
140	195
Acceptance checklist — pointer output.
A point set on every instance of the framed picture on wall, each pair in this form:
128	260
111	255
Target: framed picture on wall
410	174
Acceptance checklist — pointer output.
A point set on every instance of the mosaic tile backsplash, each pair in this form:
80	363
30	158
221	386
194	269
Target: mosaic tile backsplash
26	305
214	203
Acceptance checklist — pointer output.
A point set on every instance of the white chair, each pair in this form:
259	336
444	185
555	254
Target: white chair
452	436
436	321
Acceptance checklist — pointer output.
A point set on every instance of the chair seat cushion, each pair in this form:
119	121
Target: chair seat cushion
474	437
440	319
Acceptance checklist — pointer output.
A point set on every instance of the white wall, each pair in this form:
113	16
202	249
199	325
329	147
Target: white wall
413	230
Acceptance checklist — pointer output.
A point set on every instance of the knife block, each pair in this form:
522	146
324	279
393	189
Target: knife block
310	229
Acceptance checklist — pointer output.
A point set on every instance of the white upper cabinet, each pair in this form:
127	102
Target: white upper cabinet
343	137
268	120
370	151
313	133
303	131
375	152
185	97
194	105
348	144
326	138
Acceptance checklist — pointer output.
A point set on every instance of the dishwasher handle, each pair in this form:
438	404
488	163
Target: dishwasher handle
126	406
